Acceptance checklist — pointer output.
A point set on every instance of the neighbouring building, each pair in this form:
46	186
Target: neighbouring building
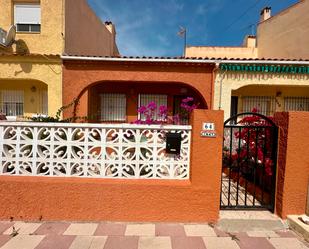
284	35
31	67
281	40
267	85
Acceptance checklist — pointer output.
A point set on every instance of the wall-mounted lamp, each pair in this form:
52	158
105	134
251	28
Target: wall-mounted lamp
278	94
33	89
183	90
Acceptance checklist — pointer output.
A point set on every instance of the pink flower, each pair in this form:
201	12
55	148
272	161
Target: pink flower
152	106
142	109
186	100
163	109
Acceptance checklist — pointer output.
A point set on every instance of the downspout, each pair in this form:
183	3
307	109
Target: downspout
213	87
220	96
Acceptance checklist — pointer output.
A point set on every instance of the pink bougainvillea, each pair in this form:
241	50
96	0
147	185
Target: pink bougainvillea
151	114
254	145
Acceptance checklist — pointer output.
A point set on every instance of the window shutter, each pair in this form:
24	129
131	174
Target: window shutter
27	14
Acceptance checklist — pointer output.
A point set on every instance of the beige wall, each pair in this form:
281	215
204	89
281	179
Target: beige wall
85	33
49	40
221	52
33	70
80	31
261	84
285	35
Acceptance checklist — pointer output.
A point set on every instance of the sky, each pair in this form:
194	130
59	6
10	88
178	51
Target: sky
150	27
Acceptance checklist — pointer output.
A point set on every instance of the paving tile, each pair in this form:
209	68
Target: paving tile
53	241
200	230
23	242
217	242
4	239
286	234
5	225
52	228
89	242
154	243
81	229
254	242
120	242
170	230
287	243
140	230
98	242
188	243
23	228
81	242
110	229
266	234
221	233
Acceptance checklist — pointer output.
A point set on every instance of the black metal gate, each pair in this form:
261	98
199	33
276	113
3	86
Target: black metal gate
249	162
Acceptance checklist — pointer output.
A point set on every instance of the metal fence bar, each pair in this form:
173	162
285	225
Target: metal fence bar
248	149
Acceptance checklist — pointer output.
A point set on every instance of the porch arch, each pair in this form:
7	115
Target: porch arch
132	89
29	96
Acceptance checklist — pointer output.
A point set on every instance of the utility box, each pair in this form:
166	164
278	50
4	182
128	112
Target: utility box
173	143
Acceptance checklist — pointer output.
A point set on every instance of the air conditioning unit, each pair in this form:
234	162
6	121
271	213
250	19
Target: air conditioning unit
2	36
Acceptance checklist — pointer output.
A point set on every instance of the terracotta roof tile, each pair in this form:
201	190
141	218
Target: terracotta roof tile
189	58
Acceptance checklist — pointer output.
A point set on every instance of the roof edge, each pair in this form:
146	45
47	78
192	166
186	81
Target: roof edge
186	60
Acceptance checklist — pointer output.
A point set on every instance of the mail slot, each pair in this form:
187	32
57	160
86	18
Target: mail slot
173	143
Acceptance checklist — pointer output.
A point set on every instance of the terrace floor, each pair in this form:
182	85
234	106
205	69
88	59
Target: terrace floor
118	235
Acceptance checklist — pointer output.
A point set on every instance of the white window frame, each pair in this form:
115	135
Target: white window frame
113	107
11	98
27	14
145	99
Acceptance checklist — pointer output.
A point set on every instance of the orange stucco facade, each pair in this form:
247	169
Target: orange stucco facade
195	200
293	167
82	79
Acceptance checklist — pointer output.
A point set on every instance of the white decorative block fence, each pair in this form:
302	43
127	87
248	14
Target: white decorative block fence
92	150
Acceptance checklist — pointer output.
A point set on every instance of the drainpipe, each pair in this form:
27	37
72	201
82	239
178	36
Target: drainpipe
220	96
213	84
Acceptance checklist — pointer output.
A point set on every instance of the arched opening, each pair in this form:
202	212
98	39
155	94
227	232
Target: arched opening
23	98
268	99
118	102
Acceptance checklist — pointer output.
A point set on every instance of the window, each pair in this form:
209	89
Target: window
27	17
113	107
264	104
145	99
12	102
296	104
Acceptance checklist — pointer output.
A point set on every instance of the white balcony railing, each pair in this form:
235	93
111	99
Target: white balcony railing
92	150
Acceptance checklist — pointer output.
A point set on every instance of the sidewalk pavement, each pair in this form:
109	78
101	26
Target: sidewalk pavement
116	235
